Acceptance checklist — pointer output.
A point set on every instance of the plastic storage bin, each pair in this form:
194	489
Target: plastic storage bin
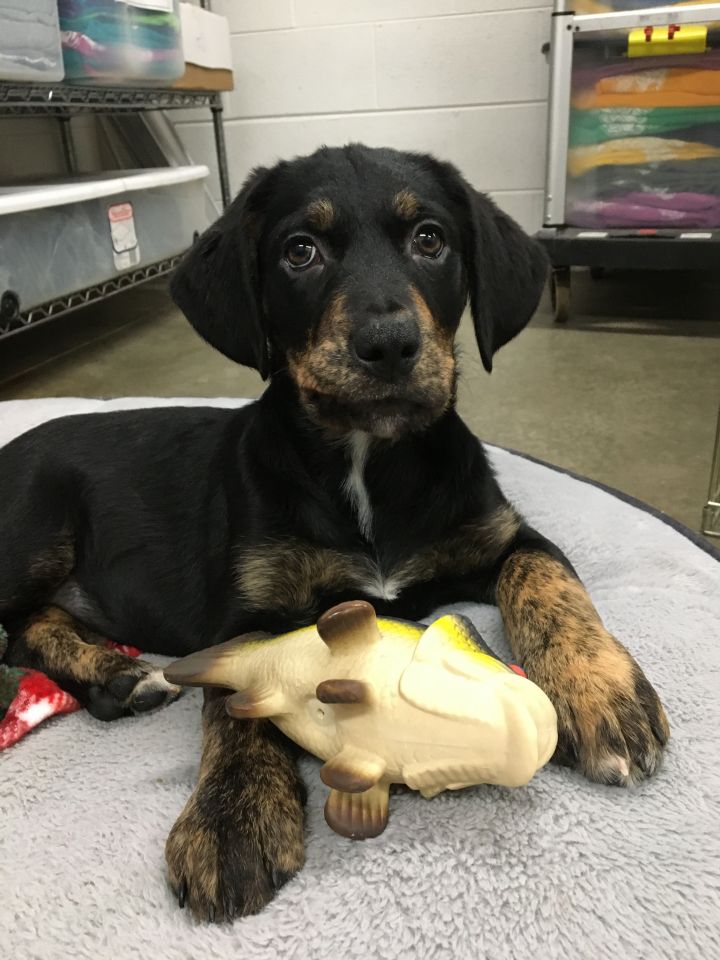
121	41
58	238
30	41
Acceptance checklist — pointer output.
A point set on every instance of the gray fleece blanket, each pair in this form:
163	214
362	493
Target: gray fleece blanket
562	868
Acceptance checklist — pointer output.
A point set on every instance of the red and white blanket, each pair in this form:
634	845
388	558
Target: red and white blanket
28	697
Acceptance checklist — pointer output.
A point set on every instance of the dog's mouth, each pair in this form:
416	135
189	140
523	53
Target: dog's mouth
386	417
341	399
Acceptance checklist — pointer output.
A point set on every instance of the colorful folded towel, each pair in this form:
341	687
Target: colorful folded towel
672	87
690	176
647	210
636	150
697	124
597	6
587	69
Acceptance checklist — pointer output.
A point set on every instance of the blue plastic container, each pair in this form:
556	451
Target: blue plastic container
117	43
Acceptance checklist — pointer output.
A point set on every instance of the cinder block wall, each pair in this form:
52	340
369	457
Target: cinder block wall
464	79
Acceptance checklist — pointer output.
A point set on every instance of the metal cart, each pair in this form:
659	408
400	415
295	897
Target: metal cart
647	246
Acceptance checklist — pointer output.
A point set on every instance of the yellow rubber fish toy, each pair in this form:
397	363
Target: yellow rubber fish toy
385	701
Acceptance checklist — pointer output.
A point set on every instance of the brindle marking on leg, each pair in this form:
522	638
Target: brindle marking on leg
53	637
240	836
109	683
610	720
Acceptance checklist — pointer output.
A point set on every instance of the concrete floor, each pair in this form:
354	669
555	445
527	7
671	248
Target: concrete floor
627	394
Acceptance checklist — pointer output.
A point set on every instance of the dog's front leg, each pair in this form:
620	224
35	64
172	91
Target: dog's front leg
240	835
611	724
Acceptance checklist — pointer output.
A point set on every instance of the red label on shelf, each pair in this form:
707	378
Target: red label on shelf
120	211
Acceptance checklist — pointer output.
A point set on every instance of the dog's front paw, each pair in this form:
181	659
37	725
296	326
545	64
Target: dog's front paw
611	724
135	687
223	865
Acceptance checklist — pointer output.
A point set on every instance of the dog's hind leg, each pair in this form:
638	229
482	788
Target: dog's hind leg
38	514
38	554
107	682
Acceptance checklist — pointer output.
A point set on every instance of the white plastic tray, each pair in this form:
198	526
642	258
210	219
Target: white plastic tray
18	199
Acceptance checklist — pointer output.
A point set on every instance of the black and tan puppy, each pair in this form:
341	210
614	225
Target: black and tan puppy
343	277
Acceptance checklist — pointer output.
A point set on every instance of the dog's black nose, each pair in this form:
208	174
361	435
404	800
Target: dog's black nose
388	346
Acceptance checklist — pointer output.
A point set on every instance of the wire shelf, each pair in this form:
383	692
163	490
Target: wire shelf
13	320
63	100
18	99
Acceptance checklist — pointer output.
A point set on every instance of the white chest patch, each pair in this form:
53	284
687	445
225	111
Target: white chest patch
373	581
385	588
358	447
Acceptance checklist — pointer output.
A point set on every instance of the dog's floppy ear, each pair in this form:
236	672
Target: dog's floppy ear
217	285
506	270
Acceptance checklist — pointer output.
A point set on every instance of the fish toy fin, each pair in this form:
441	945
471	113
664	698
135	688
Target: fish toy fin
211	666
454	641
255	703
465	633
358	815
352	770
344	691
446	656
350	624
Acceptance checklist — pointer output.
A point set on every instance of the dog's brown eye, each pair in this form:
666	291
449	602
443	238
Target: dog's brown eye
300	252
428	241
